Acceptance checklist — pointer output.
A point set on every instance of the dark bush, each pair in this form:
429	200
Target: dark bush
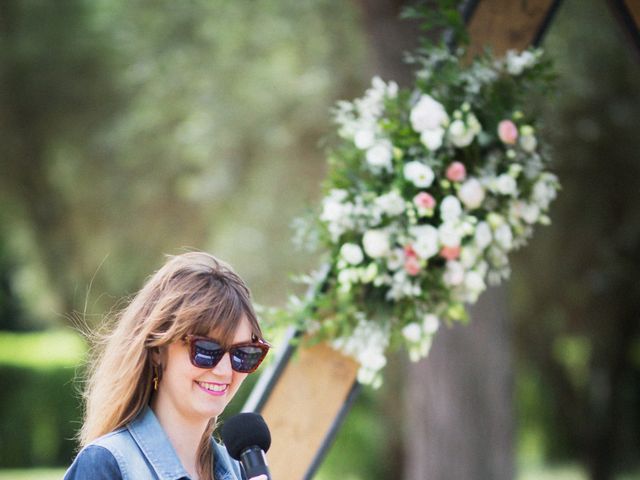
39	415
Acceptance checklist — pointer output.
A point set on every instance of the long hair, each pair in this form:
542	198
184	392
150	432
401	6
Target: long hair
192	293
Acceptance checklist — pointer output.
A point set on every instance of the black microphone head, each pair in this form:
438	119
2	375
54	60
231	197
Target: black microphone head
245	430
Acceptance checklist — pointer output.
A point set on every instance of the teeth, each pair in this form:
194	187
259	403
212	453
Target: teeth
213	387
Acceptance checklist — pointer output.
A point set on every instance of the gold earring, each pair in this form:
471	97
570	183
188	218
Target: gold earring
156	378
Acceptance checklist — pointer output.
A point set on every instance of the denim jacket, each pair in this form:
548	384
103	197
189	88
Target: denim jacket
140	451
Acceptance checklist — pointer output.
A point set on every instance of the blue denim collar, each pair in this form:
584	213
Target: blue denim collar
153	441
150	437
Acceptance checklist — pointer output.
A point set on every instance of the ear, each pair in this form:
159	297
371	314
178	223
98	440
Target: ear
156	356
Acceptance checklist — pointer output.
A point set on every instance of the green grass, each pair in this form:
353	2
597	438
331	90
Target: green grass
52	348
33	474
538	473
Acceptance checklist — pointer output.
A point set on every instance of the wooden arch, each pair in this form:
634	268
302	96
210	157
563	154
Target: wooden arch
306	394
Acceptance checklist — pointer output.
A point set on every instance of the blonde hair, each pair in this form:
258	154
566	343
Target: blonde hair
192	293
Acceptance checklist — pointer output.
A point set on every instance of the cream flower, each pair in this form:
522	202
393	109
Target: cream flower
450	208
432	139
449	235
471	193
412	332
428	114
351	253
419	174
376	243
391	203
380	155
483	235
425	240
430	324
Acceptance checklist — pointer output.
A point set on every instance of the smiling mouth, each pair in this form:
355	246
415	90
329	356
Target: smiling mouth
213	388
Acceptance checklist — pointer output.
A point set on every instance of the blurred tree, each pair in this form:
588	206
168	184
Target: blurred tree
55	92
11	315
130	131
576	297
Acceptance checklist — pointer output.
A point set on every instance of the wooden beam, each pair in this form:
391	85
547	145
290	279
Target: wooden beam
507	24
304	398
627	12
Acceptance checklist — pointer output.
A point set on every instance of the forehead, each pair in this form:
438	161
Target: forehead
242	333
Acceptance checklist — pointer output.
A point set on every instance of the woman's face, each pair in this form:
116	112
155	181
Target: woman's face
198	394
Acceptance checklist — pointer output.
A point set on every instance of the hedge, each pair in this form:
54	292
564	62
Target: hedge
40	408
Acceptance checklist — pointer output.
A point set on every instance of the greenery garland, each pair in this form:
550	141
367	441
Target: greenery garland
429	188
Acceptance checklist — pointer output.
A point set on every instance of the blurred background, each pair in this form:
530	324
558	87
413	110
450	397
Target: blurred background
129	130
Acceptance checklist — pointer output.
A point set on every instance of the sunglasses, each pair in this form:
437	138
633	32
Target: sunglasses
245	357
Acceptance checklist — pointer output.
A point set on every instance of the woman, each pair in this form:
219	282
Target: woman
177	356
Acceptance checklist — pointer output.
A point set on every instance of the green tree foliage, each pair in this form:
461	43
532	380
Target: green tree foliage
132	129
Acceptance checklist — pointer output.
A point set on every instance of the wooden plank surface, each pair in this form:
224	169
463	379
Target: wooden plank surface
303	405
507	24
634	9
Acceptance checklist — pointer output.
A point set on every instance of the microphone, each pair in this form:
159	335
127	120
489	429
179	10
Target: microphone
247	437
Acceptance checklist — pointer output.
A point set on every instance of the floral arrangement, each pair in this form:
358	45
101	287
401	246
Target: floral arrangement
429	189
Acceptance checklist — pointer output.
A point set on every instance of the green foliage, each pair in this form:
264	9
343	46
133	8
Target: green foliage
168	127
438	16
39	405
41	350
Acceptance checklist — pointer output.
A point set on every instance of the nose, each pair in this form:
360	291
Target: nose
223	368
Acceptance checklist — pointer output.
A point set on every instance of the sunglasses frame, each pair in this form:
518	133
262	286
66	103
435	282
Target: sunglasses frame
258	343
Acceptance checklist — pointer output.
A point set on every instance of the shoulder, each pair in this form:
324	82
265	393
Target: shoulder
225	466
95	462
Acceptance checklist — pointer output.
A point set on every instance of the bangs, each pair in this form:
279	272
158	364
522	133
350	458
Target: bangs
217	310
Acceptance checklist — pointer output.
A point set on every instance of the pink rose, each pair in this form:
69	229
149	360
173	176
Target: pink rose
450	253
456	172
424	200
409	252
412	266
508	132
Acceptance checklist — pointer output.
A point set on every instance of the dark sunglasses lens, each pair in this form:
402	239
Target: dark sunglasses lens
246	359
206	354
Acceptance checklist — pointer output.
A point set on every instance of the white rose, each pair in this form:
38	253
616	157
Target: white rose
372	359
395	260
432	139
391	203
430	324
469	256
450	208
449	235
474	282
504	236
425	240
428	114
459	134
412	332
530	213
528	143
483	235
516	63
471	193
364	139
506	184
454	273
419	174
376	243
351	253
380	155
544	191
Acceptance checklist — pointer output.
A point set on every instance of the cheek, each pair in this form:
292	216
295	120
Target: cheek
237	380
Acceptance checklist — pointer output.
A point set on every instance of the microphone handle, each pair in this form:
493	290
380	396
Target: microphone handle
254	462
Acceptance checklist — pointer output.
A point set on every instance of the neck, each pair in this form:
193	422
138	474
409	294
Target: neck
184	433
